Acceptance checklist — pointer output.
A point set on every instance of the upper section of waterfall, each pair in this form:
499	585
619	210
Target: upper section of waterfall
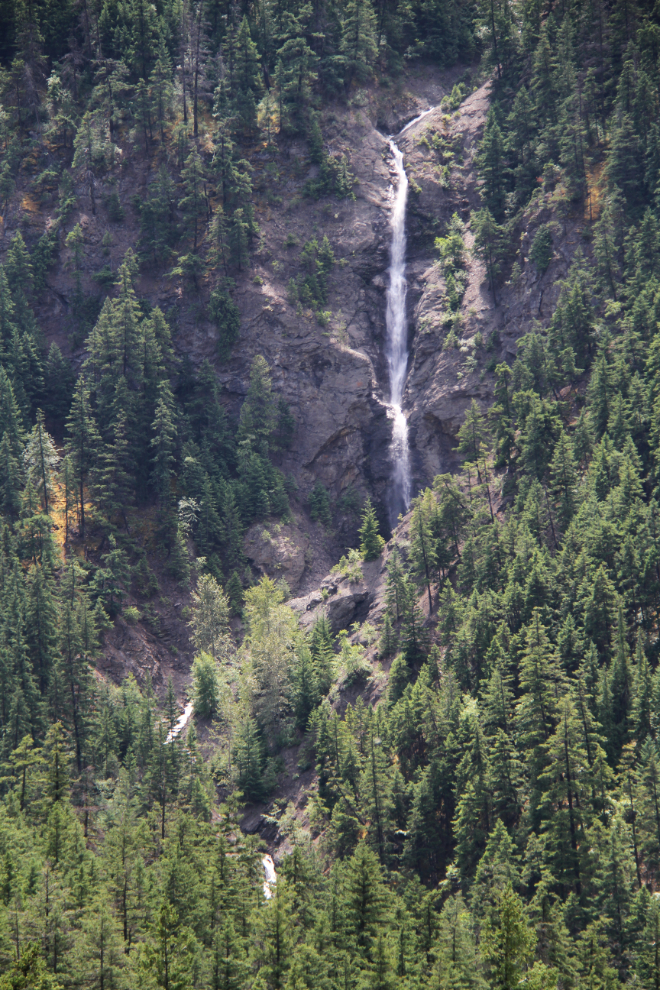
396	323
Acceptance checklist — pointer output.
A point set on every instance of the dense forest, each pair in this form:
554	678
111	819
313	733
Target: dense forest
494	820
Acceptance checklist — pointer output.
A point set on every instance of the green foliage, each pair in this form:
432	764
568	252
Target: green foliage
210	617
334	176
311	286
224	313
234	592
489	244
371	542
206	687
541	249
319	504
158	229
493	821
452	261
349	566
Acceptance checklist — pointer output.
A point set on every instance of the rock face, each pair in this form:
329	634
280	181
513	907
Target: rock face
343	601
334	376
331	368
344	606
278	551
443	381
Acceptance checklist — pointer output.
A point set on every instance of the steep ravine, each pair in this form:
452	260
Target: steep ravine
336	377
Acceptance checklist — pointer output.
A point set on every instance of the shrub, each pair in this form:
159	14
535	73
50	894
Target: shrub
349	566
452	262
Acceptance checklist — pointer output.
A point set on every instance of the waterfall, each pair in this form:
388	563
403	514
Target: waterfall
397	343
181	723
397	337
270	875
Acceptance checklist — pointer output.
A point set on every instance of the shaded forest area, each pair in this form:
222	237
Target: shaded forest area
495	819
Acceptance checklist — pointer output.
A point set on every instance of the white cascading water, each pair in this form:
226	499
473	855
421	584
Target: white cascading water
270	876
397	337
397	343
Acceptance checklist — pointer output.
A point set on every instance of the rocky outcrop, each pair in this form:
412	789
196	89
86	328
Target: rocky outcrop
334	376
278	551
341	609
443	380
343	600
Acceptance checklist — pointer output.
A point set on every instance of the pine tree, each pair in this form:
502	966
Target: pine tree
210	621
371	542
229	963
239	237
257	419
536	711
198	56
169	950
296	64
41	463
508	941
422	549
110	580
567	777
102	954
305	685
365	898
246	81
458	962
249	759
163	444
114	489
78	644
160	84
388	640
413	635
321	648
358	40
206	685
275	939
488	245
82	444
42	622
564	480
491	170
194	204
11	480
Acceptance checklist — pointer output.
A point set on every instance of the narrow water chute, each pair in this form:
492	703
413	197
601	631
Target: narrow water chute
396	324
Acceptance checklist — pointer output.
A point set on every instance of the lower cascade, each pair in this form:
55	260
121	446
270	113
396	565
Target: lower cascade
181	722
269	874
397	337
